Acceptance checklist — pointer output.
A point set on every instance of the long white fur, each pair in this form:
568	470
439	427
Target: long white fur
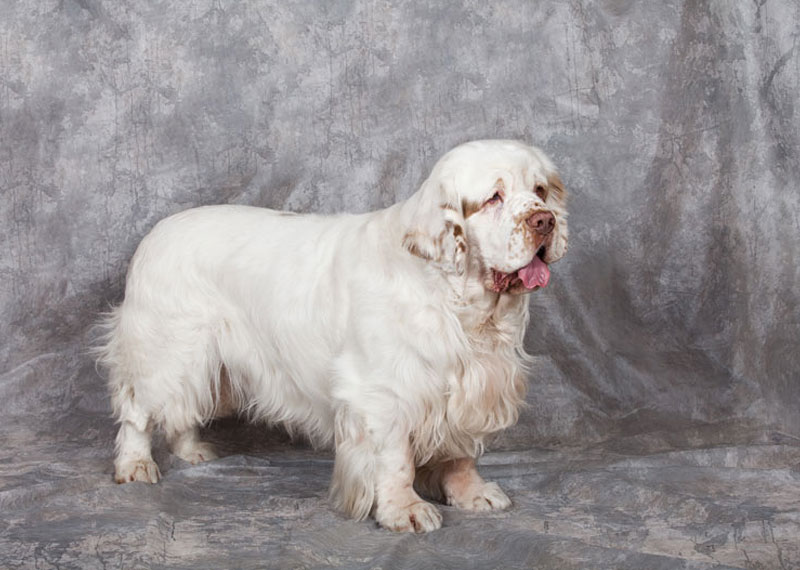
373	333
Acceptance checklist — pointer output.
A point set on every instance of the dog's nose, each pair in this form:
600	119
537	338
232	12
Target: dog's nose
542	223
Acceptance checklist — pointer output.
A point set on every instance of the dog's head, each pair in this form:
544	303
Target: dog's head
496	207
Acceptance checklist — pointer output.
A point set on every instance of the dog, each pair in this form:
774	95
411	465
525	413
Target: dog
396	336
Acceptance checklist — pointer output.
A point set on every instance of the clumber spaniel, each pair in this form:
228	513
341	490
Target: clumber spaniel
394	336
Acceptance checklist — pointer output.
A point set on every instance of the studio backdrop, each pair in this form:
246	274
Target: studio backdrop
671	326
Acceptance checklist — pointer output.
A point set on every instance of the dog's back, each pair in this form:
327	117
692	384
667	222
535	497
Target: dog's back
206	326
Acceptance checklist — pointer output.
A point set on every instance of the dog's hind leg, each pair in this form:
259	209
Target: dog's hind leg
133	461
183	440
187	445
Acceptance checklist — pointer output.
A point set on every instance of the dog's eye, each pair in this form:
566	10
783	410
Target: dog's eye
495	199
541	191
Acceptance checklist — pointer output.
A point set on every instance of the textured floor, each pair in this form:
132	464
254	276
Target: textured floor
263	505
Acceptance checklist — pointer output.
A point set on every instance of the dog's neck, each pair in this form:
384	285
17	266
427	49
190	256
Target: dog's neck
479	309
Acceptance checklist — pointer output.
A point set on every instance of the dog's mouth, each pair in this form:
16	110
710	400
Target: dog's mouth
529	278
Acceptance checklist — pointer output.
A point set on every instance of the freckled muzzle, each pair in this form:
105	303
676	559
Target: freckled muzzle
541	223
539	226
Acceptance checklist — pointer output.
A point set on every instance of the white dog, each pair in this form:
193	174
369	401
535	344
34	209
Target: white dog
394	336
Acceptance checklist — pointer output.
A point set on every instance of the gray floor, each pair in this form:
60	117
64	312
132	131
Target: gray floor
635	503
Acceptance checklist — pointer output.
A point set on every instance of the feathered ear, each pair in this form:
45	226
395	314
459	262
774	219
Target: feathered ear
557	202
436	232
555	187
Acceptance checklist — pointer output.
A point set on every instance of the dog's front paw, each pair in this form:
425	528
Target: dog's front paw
144	470
481	497
419	516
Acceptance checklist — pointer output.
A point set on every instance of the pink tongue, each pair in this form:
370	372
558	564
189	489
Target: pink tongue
535	274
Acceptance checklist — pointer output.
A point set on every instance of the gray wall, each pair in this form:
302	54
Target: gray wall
675	125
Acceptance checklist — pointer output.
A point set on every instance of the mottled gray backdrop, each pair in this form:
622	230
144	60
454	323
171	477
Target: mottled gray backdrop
664	417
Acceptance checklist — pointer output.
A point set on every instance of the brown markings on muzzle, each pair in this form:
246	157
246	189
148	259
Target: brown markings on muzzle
531	238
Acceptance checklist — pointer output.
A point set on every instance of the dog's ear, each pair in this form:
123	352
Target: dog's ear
557	203
437	231
555	188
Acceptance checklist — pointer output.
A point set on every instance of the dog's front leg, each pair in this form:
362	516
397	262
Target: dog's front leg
398	507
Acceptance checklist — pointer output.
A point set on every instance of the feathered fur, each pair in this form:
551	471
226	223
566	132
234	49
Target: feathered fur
374	333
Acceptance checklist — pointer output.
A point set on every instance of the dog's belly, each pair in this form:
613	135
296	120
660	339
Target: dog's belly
272	377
